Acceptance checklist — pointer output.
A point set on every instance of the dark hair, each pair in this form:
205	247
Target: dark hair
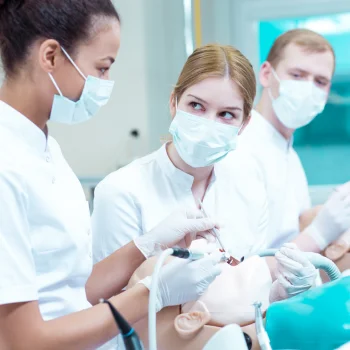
22	22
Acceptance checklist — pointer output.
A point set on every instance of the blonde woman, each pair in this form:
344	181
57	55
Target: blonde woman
210	106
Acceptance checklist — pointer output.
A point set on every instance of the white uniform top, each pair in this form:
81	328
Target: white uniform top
283	174
45	236
136	198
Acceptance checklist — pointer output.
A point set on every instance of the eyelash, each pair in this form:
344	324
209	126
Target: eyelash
194	104
298	76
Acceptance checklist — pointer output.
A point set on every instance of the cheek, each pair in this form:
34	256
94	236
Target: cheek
70	82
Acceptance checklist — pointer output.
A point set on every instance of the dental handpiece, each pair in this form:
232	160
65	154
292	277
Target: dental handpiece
261	333
187	254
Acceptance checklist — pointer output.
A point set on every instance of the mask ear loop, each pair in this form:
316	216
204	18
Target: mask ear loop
73	63
55	84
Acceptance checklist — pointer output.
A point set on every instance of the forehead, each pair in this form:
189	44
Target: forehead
316	63
217	91
105	39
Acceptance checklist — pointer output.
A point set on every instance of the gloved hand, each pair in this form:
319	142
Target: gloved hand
184	226
182	281
333	219
295	273
337	249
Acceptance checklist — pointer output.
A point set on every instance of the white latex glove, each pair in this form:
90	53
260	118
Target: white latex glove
333	219
295	273
182	280
180	227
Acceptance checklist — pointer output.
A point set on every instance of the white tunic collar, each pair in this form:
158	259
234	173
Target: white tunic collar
21	126
176	175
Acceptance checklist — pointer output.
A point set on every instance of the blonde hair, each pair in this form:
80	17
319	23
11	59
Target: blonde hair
307	39
216	60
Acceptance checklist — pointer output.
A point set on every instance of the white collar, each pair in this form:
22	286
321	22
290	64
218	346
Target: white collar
21	126
176	175
259	122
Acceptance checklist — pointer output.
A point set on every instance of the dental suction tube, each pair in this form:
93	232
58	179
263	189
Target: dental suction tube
319	261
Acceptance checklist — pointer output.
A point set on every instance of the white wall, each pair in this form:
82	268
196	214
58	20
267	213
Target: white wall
101	145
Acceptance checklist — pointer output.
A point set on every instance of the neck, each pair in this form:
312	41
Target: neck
200	175
264	107
20	95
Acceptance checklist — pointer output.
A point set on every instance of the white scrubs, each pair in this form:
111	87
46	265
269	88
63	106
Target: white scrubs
283	175
136	198
45	235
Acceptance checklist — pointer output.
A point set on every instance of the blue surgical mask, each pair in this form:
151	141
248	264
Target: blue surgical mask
96	93
201	142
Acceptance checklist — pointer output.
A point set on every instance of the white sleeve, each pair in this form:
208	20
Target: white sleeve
17	268
254	194
116	219
303	193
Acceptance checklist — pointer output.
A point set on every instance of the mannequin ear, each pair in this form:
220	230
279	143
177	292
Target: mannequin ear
195	315
172	105
189	324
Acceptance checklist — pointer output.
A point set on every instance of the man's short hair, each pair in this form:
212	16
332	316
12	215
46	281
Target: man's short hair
307	39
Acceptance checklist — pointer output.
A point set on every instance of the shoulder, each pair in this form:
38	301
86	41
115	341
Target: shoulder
128	179
297	165
12	160
242	164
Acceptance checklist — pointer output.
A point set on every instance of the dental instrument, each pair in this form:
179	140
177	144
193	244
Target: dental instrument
216	233
214	230
261	333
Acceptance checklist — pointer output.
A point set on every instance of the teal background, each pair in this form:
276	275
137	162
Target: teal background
323	145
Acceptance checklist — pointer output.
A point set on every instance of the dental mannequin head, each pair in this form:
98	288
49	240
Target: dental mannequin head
296	79
228	300
91	39
211	104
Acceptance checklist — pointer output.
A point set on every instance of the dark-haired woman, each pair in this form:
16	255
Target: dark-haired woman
56	55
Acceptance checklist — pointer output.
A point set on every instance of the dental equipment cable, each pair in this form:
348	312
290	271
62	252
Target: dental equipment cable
319	261
152	313
130	338
261	333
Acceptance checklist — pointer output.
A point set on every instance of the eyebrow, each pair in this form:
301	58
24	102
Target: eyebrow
205	102
317	76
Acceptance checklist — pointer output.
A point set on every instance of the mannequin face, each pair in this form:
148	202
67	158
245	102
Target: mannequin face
228	300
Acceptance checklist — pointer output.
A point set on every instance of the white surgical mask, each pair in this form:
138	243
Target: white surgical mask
298	102
96	94
201	142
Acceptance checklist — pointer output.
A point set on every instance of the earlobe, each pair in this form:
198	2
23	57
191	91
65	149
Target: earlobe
50	55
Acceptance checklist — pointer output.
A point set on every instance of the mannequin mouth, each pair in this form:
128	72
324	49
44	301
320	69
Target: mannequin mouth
230	259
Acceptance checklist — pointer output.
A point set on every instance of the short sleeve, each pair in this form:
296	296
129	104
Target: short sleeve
116	219
17	268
